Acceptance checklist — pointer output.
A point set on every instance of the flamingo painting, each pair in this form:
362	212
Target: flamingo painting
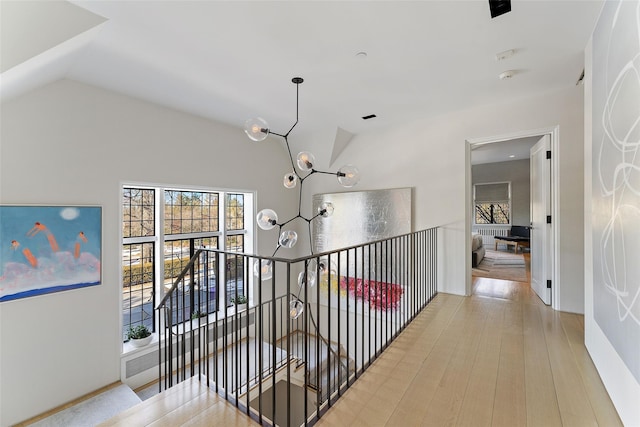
67	258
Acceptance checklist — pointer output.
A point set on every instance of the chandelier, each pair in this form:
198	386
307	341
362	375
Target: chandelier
257	129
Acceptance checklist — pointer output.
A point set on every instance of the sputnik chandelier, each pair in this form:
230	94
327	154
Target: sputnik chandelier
258	130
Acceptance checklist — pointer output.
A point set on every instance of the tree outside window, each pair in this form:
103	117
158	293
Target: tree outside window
492	203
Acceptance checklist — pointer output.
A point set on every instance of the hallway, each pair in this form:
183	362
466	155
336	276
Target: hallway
498	358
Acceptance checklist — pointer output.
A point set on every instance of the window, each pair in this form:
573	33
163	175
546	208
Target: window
162	229
138	260
492	203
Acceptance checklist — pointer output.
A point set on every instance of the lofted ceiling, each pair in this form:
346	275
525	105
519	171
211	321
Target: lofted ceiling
230	60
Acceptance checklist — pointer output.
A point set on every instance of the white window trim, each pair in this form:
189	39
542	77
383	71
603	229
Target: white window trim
159	238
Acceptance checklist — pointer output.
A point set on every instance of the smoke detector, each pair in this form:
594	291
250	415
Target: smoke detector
505	75
505	54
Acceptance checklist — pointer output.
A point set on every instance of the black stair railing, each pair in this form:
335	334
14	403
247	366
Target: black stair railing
282	370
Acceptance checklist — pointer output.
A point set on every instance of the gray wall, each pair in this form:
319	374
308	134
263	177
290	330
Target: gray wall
517	172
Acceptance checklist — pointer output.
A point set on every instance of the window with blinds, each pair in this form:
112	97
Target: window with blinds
492	203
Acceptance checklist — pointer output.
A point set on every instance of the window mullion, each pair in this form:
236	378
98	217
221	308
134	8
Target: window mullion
159	252
222	244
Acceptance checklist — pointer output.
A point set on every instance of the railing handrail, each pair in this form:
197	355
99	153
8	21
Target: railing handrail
314	255
241	353
183	273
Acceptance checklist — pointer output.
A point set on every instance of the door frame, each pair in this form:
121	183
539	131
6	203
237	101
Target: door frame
554	134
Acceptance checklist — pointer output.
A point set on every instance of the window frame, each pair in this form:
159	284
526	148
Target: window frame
160	239
508	201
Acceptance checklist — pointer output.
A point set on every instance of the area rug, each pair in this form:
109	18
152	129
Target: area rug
502	265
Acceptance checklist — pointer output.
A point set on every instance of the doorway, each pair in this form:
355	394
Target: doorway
504	205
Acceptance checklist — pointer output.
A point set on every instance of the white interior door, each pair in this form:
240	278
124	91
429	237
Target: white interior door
540	229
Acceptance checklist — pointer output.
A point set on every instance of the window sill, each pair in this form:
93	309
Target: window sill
182	328
195	324
129	349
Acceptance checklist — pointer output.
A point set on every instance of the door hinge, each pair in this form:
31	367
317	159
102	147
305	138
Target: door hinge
548	284
548	219
548	154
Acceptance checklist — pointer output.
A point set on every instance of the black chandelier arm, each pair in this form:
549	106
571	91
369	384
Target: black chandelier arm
294	125
291	220
293	165
297	81
322	212
329	173
299	216
306	176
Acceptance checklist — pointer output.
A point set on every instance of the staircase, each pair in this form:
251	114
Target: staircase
297	348
333	370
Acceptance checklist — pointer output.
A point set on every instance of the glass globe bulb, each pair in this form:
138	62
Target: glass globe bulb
257	129
306	160
348	176
327	267
325	209
288	238
308	277
295	308
328	272
263	266
290	180
267	219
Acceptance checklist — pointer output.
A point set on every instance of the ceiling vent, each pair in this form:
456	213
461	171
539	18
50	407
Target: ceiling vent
370	116
499	7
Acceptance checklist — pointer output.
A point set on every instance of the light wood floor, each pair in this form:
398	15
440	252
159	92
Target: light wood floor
498	358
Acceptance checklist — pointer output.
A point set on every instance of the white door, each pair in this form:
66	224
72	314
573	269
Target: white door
540	229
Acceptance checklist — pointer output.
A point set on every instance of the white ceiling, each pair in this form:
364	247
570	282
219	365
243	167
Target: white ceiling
504	151
230	60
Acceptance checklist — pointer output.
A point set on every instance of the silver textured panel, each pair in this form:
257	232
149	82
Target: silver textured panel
361	217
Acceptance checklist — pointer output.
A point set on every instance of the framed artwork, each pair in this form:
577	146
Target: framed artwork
360	217
615	185
46	249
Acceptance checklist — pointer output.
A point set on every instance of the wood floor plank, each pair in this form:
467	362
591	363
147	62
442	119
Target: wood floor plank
573	400
221	413
542	404
605	412
509	407
428	362
189	410
160	405
477	406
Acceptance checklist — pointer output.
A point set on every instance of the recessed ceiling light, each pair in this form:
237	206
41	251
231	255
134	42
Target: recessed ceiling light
511	156
361	55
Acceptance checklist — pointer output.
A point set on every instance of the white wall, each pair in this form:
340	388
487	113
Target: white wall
70	143
429	155
623	388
